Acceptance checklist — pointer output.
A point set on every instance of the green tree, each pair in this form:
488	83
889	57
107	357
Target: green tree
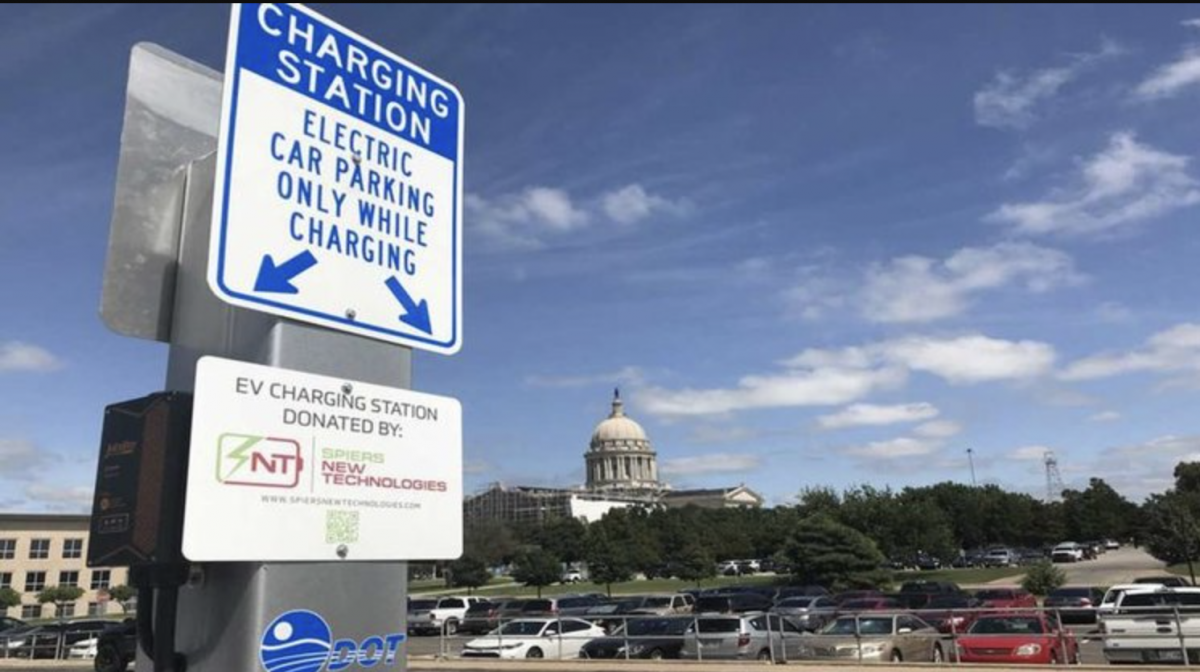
61	596
491	541
609	558
565	537
1097	512
537	567
468	572
123	594
694	563
824	551
1043	578
9	598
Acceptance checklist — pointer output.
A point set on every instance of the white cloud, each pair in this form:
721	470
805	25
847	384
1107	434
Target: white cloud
628	375
817	377
18	356
19	458
1009	100
1190	23
532	218
938	429
904	446
1028	453
1104	416
972	359
60	498
1173	351
1125	184
716	463
921	289
1169	79
865	415
1113	312
476	467
1141	469
633	203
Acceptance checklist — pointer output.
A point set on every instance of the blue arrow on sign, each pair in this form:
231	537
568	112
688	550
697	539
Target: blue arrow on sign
278	279
416	315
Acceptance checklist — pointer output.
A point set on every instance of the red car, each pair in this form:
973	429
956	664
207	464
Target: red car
951	613
1017	638
1006	598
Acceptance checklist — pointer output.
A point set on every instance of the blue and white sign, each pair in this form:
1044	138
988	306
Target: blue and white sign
339	182
301	641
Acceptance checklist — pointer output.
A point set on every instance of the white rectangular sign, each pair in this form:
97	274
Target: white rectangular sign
338	194
287	465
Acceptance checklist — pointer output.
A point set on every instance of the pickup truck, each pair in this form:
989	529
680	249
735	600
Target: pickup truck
1153	626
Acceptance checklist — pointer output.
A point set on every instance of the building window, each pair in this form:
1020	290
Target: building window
31	611
101	579
39	549
8	549
5	579
34	581
66	610
69	579
72	548
95	609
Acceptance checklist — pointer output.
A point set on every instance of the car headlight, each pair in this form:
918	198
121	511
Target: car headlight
1029	649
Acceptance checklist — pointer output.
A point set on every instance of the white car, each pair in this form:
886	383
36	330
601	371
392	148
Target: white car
83	649
1068	551
1109	604
571	576
535	638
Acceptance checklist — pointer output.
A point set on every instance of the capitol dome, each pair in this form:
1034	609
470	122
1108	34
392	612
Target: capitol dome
620	458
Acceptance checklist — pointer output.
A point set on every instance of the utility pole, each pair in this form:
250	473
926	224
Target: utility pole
971	461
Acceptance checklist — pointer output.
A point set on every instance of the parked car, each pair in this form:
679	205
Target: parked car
569	605
848	595
1034	638
800	591
117	647
444	616
556	638
806	613
481	618
1000	557
733	603
1068	551
1154	625
52	639
931	587
1075	604
7	623
1112	544
1171	581
1006	598
870	604
642	638
875	638
951	613
753	636
1109	602
927	563
571	576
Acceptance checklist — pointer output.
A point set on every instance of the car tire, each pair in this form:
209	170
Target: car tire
535	652
765	654
1053	658
938	656
656	654
451	628
896	657
108	659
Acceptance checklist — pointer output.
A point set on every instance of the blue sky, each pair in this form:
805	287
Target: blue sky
813	245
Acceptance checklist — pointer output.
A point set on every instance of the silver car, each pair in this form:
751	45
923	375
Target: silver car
807	613
875	638
740	636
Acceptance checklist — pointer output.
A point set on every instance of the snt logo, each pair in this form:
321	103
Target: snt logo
266	461
301	641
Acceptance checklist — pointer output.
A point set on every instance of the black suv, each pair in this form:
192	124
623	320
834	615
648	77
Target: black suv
117	647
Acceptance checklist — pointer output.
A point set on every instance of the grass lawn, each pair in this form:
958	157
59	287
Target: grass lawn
1182	568
966	576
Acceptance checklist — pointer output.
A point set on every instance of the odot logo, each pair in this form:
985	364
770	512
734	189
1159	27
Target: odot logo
301	641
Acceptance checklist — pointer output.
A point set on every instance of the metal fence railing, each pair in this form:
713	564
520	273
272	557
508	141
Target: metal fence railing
1167	634
46	642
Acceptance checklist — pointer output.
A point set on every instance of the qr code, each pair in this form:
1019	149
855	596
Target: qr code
341	527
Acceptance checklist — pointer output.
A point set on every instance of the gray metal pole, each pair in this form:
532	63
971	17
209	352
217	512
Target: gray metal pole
223	613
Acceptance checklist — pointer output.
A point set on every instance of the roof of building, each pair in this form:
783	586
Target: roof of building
22	517
617	426
708	492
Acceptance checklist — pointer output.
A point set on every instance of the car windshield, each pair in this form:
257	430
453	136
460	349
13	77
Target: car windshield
1148	601
866	626
538	605
480	608
646	627
655	602
796	602
575	602
718	625
995	594
422	605
1012	625
948	603
523	628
